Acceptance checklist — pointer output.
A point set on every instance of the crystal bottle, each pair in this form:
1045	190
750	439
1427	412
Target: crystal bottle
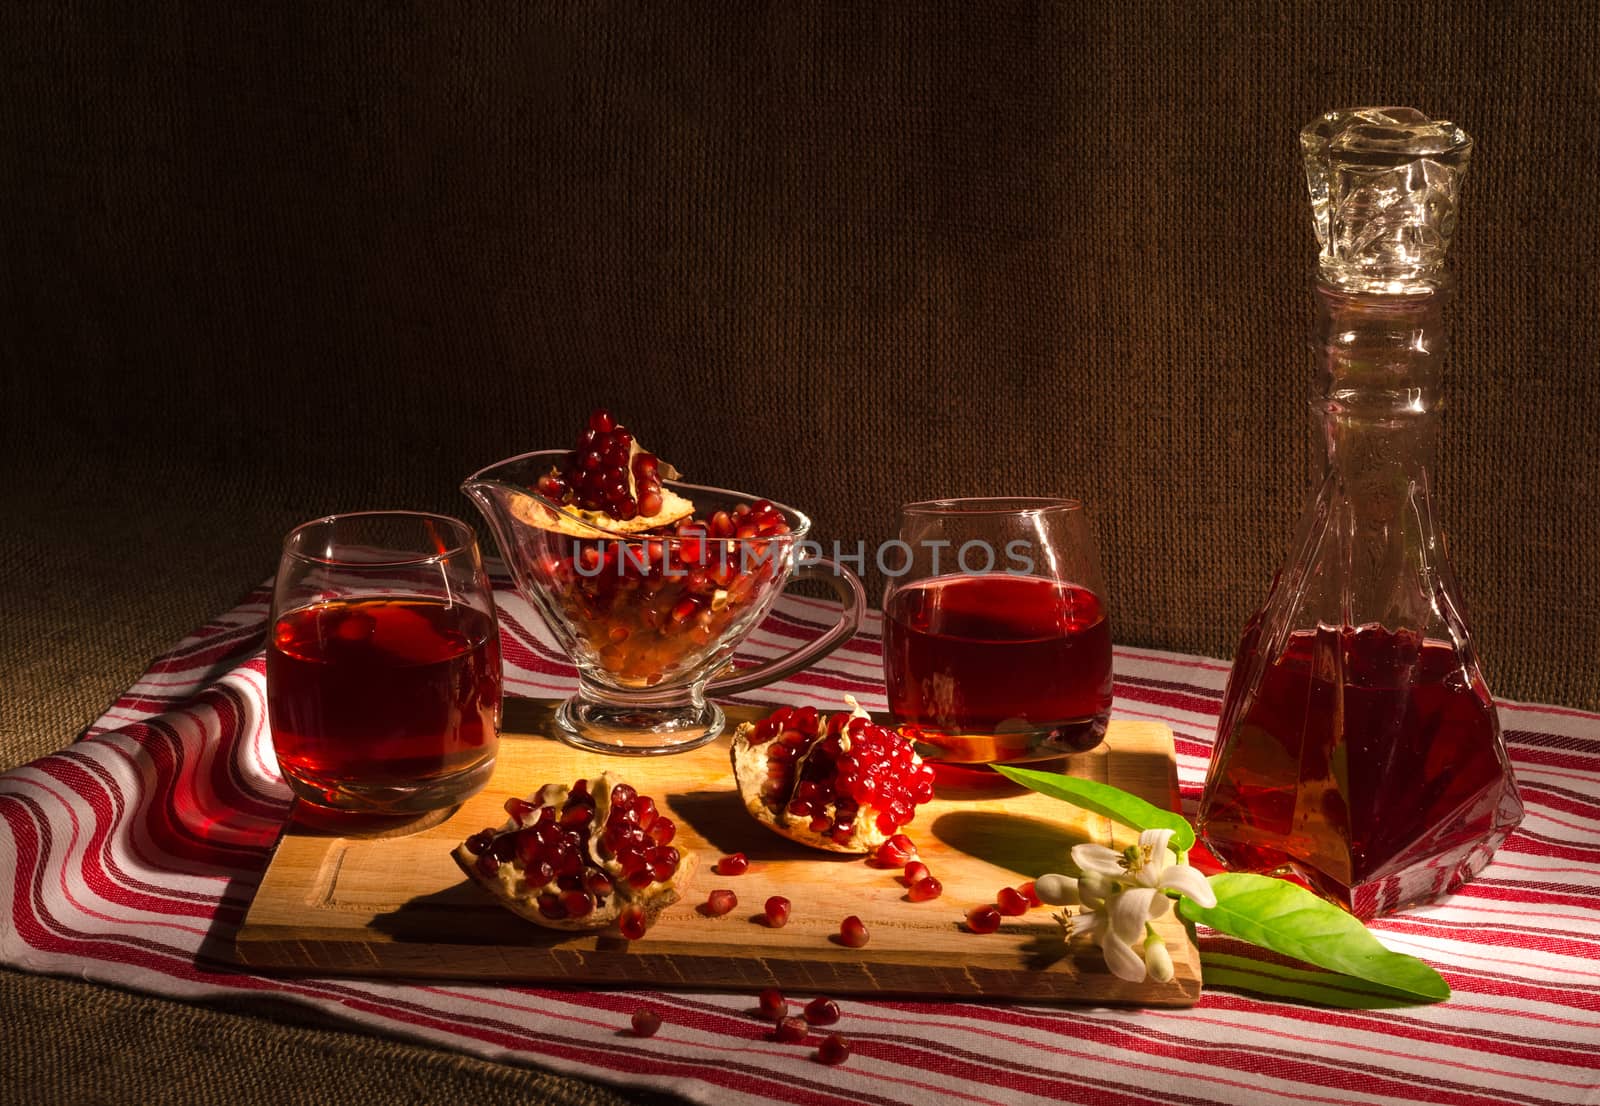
1358	748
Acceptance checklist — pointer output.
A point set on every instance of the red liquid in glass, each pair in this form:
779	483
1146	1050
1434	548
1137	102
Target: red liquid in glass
999	667
1384	787
383	691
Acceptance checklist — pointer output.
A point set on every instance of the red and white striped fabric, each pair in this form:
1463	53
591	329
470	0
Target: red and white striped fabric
128	858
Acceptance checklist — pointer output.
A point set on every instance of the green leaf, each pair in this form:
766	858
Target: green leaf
1287	918
1103	799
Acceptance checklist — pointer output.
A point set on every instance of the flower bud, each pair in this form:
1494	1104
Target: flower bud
1157	959
1056	890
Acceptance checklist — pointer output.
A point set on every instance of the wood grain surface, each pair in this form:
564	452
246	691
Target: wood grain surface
394	903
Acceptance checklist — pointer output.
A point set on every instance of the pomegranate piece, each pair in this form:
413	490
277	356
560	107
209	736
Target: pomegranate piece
720	902
834	1049
853	933
734	864
983	919
926	888
916	871
1010	902
646	1022
791	1031
822	1011
577	858
777	912
1026	890
840	783
896	852
610	481
773	1005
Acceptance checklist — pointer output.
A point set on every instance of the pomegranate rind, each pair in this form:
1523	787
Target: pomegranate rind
579	522
511	890
750	771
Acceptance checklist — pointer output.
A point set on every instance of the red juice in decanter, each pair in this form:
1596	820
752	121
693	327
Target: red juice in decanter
1358	747
1369	762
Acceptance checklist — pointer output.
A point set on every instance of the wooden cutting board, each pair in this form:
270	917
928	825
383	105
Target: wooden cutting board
397	906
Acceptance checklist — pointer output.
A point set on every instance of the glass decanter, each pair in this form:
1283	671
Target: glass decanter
1358	747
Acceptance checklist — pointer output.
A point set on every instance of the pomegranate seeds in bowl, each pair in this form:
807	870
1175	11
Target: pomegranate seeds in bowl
841	783
579	858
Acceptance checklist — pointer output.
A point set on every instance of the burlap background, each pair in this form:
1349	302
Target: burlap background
262	262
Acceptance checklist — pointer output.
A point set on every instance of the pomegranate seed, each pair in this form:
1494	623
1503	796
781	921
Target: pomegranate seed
1010	902
822	1011
773	1006
734	864
983	919
601	421
481	842
646	1022
834	1049
853	932
632	921
791	1031
578	904
1026	890
650	504
916	871
519	809
897	851
777	911
504	848
662	830
720	902
928	887
488	865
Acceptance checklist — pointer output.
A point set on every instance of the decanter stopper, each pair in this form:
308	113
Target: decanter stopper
1384	184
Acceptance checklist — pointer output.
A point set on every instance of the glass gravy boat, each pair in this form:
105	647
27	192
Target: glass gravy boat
652	620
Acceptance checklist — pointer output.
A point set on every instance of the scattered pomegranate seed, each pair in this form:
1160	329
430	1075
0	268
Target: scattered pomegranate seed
720	902
1026	891
632	921
645	1022
916	871
791	1031
734	864
777	911
822	1011
926	888
773	1005
895	852
834	1049
853	932
1010	902
983	919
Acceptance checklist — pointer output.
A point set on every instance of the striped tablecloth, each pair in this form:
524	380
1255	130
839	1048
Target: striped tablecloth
129	857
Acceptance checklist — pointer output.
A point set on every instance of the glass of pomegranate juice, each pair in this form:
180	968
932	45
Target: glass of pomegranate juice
997	647
383	665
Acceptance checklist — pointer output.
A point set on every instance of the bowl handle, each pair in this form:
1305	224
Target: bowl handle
853	604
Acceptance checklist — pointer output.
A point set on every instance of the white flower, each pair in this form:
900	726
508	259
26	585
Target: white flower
1148	864
1119	894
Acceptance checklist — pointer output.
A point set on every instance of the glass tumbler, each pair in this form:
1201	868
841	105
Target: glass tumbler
997	645
383	666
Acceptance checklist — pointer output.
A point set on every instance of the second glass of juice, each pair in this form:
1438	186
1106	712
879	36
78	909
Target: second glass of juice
997	643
